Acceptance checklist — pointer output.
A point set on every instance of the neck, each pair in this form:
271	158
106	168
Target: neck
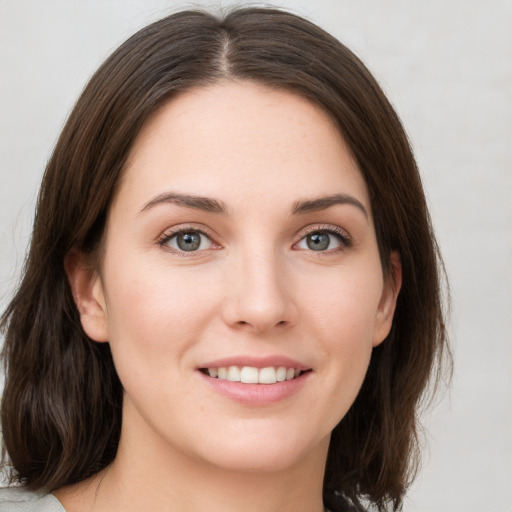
152	475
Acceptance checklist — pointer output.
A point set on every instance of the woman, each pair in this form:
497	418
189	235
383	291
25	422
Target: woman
232	297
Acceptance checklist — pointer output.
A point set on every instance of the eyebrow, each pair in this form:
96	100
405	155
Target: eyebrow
210	205
322	203
188	201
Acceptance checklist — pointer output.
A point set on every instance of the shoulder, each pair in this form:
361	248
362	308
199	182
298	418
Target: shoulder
18	499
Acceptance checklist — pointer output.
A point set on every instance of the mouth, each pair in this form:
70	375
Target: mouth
254	375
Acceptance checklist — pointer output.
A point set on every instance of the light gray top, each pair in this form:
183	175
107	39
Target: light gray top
17	499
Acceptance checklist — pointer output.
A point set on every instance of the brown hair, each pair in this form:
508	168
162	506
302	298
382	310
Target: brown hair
61	409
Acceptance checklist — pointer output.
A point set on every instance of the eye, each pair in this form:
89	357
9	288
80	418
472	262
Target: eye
190	240
323	240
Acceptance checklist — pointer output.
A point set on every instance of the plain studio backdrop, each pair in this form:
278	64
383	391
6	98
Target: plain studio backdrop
446	65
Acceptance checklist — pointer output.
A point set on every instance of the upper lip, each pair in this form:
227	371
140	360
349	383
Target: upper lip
256	362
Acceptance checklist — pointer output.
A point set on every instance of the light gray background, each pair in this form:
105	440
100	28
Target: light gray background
447	67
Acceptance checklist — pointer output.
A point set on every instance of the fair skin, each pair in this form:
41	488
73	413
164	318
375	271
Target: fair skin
263	275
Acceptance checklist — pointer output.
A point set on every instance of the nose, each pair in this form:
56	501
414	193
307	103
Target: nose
259	294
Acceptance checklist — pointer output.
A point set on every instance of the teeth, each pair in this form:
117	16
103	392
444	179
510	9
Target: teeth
249	375
267	376
233	374
281	374
252	375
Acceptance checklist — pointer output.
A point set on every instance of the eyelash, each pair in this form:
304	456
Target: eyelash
170	234
338	233
341	235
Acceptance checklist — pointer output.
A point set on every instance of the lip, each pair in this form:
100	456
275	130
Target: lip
256	395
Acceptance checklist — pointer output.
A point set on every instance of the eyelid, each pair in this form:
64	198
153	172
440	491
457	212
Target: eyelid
171	232
343	236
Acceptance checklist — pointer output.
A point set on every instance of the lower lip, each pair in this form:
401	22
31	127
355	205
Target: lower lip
257	395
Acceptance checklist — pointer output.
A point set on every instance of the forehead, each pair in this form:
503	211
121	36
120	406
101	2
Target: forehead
228	139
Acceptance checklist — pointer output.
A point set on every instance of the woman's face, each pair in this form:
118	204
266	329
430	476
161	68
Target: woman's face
240	245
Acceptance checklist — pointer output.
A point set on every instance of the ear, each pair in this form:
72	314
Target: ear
387	304
87	290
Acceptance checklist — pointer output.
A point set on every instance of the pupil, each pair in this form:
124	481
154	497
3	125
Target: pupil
189	241
318	241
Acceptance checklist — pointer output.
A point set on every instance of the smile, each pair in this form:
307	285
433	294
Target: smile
252	374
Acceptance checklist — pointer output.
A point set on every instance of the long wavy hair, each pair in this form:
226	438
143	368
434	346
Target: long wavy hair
61	407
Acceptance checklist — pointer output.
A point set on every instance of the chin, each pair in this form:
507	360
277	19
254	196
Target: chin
268	453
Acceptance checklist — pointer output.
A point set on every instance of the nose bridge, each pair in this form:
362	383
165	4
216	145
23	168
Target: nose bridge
260	290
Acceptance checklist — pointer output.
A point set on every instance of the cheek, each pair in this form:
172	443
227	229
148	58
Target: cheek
154	315
344	302
341	314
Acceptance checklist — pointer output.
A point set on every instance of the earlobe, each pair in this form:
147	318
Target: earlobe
387	304
88	295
